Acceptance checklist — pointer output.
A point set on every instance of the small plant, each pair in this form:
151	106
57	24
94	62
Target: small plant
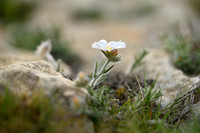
108	106
185	53
110	50
130	109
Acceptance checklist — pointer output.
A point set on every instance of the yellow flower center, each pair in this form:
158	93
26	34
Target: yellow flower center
108	47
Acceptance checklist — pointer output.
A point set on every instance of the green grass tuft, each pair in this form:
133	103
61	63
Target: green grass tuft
138	60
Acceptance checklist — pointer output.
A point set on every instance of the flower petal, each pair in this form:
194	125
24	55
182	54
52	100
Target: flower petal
96	45
117	45
102	44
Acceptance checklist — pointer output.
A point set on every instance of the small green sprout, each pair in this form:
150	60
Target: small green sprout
138	60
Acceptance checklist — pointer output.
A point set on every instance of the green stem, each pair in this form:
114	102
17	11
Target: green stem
94	79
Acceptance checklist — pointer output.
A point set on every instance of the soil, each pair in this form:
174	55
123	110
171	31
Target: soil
118	80
124	86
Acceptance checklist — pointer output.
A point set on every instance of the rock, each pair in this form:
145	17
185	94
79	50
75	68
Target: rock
43	50
196	105
196	108
24	78
28	76
170	79
8	59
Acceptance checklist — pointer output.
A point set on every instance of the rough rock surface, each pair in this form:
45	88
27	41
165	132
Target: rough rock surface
196	108
170	79
8	59
23	76
26	74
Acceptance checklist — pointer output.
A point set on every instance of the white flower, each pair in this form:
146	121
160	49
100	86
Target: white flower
108	46
110	49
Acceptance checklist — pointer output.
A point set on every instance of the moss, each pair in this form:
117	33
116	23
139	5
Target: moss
36	114
21	114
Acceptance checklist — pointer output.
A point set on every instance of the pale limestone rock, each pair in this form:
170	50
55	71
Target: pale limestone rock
32	75
44	48
8	59
196	108
170	79
44	51
62	67
26	77
25	73
77	99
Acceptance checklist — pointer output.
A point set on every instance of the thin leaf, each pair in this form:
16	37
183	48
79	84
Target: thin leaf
95	70
108	69
100	94
101	79
138	60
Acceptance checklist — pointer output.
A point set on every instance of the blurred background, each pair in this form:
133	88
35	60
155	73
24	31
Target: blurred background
73	25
